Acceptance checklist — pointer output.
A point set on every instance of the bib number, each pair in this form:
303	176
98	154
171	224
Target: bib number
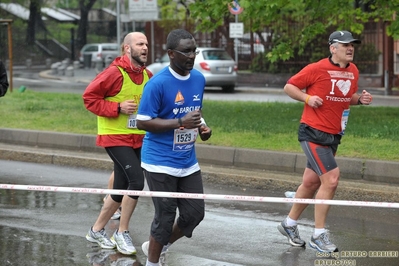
184	139
132	121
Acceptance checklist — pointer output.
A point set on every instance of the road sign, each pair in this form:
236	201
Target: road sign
236	30
143	10
235	8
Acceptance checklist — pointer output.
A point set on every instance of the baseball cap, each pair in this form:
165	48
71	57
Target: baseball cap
342	36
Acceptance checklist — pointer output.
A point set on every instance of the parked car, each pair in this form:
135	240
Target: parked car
105	52
217	66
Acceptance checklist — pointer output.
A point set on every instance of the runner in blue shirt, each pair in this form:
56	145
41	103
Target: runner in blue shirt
170	113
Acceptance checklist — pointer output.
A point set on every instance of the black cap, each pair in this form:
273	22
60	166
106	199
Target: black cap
342	36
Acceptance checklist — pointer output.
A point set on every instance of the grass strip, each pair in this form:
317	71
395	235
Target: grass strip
372	132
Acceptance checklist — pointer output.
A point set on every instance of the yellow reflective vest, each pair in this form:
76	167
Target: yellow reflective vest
129	91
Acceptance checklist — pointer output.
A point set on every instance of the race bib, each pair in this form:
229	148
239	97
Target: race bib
344	121
184	139
131	121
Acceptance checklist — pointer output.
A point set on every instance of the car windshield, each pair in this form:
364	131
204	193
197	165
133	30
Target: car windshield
216	55
110	47
91	48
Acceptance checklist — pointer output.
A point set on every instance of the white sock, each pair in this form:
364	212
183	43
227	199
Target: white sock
290	222
318	231
148	263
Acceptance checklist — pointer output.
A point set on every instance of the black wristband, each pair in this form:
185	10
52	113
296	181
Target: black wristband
119	108
358	101
180	122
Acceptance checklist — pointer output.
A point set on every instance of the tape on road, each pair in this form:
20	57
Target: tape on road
198	196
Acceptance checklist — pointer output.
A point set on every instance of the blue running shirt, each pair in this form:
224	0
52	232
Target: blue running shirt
168	95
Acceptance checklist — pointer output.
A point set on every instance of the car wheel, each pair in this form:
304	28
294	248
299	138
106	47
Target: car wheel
228	89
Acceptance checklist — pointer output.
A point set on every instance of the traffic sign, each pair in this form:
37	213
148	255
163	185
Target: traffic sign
236	30
235	8
143	10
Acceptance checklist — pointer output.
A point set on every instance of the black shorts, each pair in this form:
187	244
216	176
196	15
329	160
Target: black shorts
191	211
319	147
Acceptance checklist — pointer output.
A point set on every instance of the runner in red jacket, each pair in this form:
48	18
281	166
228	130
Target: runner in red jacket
114	96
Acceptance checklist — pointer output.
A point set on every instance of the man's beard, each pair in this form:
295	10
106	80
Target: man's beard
138	60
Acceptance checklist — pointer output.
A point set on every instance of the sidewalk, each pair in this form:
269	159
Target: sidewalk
366	180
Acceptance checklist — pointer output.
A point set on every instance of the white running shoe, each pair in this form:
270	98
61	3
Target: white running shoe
100	238
144	248
117	214
123	243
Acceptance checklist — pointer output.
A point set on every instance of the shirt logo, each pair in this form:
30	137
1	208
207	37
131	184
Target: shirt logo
196	98
344	86
179	100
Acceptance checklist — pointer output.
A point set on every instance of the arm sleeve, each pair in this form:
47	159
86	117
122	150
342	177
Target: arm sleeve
107	83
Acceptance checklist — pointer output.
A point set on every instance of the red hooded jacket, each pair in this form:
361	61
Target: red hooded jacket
106	84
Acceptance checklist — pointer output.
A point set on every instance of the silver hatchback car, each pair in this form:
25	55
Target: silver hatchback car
104	52
217	66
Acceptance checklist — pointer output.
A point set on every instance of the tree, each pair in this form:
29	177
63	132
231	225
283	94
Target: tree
34	21
294	24
84	6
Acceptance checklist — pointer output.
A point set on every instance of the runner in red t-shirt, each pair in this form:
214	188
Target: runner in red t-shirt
327	87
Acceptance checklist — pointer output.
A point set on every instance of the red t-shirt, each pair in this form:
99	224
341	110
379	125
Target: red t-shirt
108	83
334	85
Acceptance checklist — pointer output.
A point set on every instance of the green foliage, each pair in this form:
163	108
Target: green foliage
295	24
372	132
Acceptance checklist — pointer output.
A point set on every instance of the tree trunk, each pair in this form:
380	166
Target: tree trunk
81	38
34	13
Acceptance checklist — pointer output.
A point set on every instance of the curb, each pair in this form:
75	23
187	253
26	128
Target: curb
278	182
289	163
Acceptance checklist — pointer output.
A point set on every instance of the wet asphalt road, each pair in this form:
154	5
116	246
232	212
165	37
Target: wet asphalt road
48	228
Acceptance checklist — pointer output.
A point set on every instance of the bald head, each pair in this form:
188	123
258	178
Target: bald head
130	37
136	48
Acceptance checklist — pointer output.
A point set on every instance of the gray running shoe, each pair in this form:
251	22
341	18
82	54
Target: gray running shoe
100	238
123	243
292	234
322	243
117	214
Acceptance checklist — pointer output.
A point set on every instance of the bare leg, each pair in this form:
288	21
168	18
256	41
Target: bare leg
155	248
110	206
111	181
176	233
329	183
128	206
310	184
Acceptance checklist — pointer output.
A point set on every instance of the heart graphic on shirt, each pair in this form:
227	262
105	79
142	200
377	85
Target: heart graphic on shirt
344	86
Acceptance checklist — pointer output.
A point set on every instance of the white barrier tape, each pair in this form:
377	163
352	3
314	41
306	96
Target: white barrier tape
199	196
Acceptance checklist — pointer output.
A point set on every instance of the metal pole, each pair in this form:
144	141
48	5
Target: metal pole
118	23
236	44
152	41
